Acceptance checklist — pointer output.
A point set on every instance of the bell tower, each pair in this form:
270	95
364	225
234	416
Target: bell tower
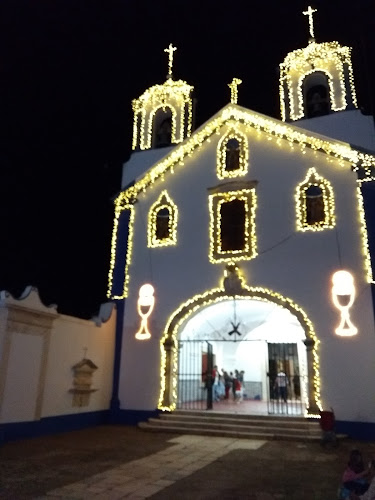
163	113
316	80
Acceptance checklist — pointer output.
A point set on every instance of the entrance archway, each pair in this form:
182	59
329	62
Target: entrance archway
261	304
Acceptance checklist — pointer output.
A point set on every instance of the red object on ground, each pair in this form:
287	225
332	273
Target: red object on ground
327	420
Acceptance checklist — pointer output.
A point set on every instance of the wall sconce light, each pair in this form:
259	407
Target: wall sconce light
343	293
145	306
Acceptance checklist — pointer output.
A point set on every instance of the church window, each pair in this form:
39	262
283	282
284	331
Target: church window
232	224
316	95
232	155
162	222
315	203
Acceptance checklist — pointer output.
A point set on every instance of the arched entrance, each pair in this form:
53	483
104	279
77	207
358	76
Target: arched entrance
267	319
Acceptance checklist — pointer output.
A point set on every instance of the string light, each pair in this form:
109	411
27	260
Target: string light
365	245
167	401
329	58
215	202
314	179
309	12
221	155
173	95
234	90
170	51
163	202
118	212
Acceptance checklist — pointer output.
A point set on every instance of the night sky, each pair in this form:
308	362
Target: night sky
68	72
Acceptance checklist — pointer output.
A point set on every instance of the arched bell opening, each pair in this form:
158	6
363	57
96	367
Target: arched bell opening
316	95
162	128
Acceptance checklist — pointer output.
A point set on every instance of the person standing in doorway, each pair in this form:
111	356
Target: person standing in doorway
281	385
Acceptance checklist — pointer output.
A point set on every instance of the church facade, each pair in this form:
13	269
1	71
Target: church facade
244	245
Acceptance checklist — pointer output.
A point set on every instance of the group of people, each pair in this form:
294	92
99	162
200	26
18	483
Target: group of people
227	385
358	481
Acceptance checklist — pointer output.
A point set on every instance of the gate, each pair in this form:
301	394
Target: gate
284	380
195	365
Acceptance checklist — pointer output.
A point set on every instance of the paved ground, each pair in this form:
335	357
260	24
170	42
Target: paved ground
113	462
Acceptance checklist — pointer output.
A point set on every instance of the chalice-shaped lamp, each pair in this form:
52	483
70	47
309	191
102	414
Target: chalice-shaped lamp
145	306
343	293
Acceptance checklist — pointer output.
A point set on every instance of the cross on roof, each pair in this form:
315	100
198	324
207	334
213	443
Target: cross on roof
170	51
233	90
309	12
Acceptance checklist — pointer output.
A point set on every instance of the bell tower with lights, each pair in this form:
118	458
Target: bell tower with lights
163	113
316	80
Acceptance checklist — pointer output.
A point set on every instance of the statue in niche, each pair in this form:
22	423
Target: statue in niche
162	224
163	134
232	281
317	101
232	155
314	205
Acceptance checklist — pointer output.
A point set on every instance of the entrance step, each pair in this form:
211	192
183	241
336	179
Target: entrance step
210	423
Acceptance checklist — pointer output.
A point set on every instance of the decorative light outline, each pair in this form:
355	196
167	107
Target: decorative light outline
145	299
329	58
343	285
214	296
234	90
216	254
163	201
314	179
151	123
364	234
221	155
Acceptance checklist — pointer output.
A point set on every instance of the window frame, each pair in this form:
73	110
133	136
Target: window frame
163	201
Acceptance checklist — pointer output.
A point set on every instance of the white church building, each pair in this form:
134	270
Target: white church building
243	244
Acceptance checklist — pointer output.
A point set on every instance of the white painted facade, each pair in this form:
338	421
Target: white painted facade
39	347
296	265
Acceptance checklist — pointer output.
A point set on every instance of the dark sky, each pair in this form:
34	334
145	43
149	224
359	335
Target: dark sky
68	72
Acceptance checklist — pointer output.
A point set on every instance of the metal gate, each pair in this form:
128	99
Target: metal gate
195	366
284	380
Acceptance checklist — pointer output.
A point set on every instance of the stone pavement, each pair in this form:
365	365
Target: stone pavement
113	462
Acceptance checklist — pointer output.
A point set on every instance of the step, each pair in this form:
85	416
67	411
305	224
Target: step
233	433
241	427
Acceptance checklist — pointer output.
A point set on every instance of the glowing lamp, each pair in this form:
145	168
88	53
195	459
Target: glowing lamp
145	306
343	293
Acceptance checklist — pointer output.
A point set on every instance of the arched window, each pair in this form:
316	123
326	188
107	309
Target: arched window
162	222
162	128
315	205
316	95
162	230
232	155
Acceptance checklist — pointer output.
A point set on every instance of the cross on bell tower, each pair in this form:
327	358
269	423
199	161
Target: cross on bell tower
170	51
310	12
234	90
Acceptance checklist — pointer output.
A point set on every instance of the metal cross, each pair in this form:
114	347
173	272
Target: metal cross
233	90
309	12
170	51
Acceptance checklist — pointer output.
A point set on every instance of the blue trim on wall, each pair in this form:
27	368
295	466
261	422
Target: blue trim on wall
122	242
52	425
133	417
364	431
115	402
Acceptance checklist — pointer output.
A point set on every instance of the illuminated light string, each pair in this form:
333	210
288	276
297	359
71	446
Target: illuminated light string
215	202
234	90
221	155
145	306
336	150
163	202
364	234
314	179
128	257
236	117
343	290
329	58
215	296
174	95
309	12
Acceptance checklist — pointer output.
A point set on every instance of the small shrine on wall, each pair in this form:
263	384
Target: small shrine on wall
83	373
